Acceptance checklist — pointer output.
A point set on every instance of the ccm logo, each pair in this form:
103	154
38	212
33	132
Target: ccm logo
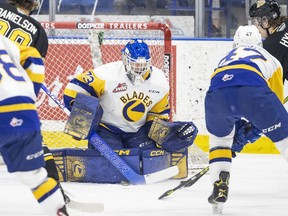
35	155
157	153
272	128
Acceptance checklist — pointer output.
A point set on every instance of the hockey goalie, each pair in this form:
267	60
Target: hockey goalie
135	122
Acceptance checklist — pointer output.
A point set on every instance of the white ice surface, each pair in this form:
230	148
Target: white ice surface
258	187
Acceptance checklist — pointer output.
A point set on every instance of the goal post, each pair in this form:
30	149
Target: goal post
78	46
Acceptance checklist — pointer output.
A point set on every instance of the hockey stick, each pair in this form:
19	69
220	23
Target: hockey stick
187	183
83	205
126	170
55	99
117	161
73	203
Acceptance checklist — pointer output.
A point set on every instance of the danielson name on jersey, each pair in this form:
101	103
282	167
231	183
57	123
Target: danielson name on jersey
17	91
22	29
125	105
249	67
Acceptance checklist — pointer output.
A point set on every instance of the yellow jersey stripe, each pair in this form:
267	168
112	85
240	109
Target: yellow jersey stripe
17	107
70	93
98	85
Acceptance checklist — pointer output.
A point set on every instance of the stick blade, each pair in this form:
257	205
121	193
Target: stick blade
91	207
167	193
161	175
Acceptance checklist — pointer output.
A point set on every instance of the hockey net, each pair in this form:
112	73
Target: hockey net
76	47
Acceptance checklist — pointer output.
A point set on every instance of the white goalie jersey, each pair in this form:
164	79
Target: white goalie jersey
126	107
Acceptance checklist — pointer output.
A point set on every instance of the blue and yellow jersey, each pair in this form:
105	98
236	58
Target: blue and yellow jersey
245	66
126	107
17	91
33	64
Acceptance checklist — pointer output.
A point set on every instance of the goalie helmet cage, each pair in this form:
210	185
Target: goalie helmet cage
75	47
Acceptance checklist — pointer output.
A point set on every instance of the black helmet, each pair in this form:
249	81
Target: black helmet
268	8
30	5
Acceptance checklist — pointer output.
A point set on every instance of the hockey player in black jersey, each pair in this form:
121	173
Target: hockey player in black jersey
17	25
266	16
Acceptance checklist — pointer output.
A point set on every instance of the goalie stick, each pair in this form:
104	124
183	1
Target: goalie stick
116	160
187	183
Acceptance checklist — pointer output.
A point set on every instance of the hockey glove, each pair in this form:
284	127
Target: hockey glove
245	133
174	136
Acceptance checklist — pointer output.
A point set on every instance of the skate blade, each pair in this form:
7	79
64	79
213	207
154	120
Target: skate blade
217	208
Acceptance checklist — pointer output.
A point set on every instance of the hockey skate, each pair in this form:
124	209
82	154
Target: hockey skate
220	193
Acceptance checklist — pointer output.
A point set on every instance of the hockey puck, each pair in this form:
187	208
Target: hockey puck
125	183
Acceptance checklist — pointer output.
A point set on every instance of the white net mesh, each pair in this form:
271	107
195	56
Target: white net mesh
197	159
75	47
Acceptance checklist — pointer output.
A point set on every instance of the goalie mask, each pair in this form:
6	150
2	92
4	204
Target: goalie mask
264	12
136	59
247	36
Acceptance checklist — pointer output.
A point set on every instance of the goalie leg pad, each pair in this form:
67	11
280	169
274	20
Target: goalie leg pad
158	159
155	160
78	165
181	160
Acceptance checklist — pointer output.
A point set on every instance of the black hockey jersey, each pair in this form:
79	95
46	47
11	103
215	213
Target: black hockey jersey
22	29
277	45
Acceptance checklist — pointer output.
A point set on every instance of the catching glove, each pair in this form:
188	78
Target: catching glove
173	136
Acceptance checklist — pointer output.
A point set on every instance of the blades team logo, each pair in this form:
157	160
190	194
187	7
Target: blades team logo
77	170
133	111
135	105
